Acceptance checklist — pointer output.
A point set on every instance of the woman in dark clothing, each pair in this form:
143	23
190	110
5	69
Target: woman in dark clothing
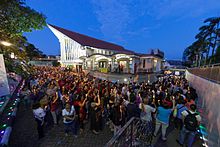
95	116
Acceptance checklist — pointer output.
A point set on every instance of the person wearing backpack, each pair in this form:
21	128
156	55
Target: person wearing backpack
180	107
191	121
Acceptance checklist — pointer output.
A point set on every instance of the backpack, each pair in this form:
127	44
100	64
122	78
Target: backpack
191	122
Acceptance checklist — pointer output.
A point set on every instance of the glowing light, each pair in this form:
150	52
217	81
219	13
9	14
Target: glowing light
4	125
5	43
205	145
9	113
125	79
2	132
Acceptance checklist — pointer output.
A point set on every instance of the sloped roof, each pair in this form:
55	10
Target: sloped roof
89	41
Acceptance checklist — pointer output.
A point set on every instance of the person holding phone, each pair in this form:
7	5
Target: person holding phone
69	115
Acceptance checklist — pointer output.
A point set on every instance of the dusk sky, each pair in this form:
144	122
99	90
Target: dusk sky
137	25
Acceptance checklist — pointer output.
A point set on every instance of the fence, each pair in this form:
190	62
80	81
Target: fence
134	133
211	72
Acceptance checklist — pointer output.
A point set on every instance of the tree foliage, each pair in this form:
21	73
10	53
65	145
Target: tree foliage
204	49
15	18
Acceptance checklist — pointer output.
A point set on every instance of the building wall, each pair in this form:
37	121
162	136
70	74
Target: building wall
41	63
70	50
150	64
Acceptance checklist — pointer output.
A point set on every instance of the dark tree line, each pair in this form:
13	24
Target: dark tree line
206	49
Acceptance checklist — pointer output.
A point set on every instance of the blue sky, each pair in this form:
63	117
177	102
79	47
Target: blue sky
137	25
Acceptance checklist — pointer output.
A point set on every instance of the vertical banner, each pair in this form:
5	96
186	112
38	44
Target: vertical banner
4	88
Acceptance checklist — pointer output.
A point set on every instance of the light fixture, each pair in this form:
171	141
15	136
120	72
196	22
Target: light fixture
12	55
5	43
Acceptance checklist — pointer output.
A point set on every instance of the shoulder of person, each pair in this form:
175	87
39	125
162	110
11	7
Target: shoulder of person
185	113
151	108
199	118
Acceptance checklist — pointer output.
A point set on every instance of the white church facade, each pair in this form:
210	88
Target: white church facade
84	52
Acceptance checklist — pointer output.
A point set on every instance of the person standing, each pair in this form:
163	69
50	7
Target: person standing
69	115
191	121
117	117
132	109
162	119
180	107
39	115
146	114
26	93
54	107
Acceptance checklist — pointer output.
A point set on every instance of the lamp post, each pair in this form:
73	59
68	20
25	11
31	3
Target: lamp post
5	43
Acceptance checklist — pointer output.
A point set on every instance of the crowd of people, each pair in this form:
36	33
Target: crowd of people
79	99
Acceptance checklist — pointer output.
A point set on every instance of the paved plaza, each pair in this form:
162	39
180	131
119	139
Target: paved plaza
24	134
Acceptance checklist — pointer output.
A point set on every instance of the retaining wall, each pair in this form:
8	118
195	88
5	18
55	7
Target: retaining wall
208	106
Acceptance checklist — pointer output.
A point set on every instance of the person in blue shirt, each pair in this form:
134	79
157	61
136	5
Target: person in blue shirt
180	108
162	119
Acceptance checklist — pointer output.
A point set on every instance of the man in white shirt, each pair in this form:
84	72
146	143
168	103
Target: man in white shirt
39	115
191	120
69	115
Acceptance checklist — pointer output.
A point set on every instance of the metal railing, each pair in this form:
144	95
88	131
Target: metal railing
134	133
209	72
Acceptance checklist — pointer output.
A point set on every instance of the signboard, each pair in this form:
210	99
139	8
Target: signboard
4	88
104	70
121	56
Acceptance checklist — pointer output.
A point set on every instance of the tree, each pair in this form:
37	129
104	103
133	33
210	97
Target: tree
33	52
15	18
56	63
214	23
207	40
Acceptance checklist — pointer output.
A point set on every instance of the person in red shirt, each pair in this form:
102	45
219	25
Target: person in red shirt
54	107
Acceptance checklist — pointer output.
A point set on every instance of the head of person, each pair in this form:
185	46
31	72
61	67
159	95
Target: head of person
165	105
193	107
145	100
67	107
36	105
132	97
181	101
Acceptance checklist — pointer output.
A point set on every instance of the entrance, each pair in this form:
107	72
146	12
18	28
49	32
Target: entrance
78	68
103	64
123	66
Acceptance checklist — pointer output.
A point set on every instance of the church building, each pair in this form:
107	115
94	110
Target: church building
83	52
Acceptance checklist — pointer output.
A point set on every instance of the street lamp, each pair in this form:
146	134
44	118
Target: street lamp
5	43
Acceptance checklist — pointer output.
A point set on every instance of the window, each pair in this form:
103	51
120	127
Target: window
144	63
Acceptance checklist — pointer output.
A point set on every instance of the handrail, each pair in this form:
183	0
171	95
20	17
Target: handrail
135	132
205	66
204	77
116	136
